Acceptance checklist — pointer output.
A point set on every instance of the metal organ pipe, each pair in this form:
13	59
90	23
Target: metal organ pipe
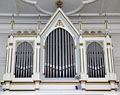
99	58
24	59
26	70
18	62
90	55
53	49
28	62
92	63
70	65
95	64
66	55
100	62
60	56
63	52
21	58
98	74
57	53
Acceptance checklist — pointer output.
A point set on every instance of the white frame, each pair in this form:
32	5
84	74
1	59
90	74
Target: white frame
22	39
103	39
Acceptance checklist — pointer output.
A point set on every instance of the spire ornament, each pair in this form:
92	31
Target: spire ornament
39	23
106	23
12	24
59	3
80	22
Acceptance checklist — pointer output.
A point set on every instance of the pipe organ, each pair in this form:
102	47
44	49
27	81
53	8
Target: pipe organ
59	55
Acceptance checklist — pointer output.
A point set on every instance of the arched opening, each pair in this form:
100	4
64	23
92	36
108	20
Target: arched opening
59	55
24	61
95	60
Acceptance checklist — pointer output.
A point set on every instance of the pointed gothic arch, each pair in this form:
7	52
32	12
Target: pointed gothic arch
95	60
24	60
59	54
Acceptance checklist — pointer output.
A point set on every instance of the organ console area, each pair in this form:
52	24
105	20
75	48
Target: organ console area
59	57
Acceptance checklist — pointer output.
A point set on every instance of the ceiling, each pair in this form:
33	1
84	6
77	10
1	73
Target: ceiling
70	7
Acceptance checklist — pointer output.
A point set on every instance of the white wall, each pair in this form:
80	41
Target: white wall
116	44
3	43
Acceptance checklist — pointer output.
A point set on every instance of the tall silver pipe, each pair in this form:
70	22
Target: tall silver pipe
98	74
63	52
19	51
92	60
60	57
32	62
29	62
25	53
100	62
26	61
96	60
23	59
66	47
48	57
57	51
70	65
31	52
95	65
53	53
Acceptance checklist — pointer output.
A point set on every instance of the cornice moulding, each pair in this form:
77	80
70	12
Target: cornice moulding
74	14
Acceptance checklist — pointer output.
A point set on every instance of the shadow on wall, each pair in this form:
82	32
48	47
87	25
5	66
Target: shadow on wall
0	87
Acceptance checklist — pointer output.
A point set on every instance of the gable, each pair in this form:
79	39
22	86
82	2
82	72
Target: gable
59	19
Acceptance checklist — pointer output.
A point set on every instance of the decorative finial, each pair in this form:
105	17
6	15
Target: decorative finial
106	23
59	4
12	22
80	23
39	23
